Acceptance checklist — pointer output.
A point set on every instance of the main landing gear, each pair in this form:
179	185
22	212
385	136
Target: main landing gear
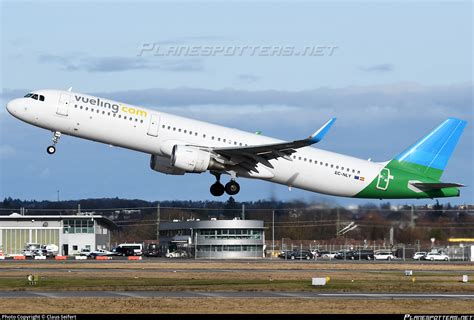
56	136
231	188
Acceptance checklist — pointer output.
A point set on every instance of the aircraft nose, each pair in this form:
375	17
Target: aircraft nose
12	107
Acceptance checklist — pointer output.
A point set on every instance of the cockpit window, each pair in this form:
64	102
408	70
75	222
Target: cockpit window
41	98
35	96
28	95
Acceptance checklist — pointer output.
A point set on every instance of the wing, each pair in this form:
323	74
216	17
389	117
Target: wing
249	157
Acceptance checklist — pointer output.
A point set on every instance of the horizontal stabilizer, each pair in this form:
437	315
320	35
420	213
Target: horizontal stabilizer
435	185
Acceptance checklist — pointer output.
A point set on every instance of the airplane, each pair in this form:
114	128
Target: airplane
179	145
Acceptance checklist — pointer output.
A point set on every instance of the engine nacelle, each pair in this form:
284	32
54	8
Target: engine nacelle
192	159
162	164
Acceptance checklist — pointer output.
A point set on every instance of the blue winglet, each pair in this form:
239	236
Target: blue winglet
319	135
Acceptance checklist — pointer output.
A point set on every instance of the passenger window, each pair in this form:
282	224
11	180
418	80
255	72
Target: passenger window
358	172
223	140
195	133
299	158
304	159
342	168
332	166
41	98
327	164
212	138
35	96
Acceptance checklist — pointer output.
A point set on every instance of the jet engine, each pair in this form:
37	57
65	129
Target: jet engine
162	164
192	159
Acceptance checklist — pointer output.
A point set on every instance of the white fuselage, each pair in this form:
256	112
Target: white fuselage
155	132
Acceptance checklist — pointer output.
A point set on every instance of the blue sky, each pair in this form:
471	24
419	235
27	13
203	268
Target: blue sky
397	70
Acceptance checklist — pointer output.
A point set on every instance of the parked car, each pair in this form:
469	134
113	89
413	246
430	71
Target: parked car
298	254
123	251
363	254
432	256
283	253
30	249
176	254
384	256
85	252
419	255
152	250
345	254
50	250
329	255
100	252
137	248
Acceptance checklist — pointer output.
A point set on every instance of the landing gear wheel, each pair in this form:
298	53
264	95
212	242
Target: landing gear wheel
217	189
51	150
232	188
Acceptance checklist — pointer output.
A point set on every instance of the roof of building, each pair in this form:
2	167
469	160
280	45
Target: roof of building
212	224
100	219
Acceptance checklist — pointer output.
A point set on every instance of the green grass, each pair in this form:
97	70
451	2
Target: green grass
389	284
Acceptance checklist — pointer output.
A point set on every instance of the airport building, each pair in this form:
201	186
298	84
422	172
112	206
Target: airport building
214	239
70	233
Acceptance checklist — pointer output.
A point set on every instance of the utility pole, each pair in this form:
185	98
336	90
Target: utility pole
58	195
243	211
78	208
337	221
273	232
158	223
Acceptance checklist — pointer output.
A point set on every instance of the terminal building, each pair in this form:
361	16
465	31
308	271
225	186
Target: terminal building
214	239
70	233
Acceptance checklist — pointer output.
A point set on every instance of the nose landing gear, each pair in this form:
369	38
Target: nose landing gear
56	136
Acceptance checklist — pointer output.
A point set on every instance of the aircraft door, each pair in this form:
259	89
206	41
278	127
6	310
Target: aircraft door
154	125
63	104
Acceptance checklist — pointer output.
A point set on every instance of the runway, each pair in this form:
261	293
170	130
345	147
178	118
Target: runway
229	294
